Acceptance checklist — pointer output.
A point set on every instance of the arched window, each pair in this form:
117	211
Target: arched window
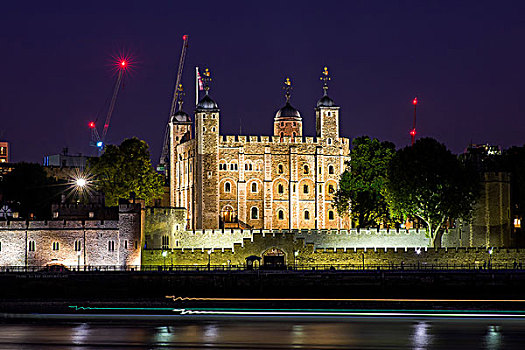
293	134
282	135
306	169
330	169
330	215
280	214
331	189
305	189
329	141
227	187
255	213
281	169
306	215
280	188
254	187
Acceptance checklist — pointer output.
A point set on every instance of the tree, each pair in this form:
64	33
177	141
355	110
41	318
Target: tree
513	160
429	182
361	187
124	169
28	190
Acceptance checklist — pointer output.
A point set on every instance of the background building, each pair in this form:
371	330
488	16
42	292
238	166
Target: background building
4	152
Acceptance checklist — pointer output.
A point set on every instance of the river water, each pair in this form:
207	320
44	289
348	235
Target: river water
355	334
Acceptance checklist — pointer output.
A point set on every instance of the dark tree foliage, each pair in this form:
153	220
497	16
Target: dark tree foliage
513	160
126	169
361	187
429	182
28	190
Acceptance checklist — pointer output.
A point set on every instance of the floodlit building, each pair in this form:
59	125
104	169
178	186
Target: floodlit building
282	181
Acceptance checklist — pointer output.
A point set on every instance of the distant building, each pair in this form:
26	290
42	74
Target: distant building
4	152
65	160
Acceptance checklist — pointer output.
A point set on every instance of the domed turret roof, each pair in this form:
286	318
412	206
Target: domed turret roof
288	113
325	101
207	103
180	117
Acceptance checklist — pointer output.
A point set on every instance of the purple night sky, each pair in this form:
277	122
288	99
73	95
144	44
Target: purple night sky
463	59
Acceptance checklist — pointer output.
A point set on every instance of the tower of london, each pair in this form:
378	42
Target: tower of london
283	181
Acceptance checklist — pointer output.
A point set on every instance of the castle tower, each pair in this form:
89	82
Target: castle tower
288	121
180	132
207	166
326	112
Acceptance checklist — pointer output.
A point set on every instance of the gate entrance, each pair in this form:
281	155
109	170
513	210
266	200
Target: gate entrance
273	259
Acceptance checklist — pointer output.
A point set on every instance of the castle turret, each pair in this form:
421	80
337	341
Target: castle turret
288	121
326	112
180	132
207	169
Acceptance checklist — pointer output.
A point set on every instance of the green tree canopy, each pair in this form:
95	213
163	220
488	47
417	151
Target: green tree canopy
429	182
361	187
28	190
124	169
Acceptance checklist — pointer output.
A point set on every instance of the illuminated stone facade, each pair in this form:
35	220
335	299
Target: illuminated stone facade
284	181
74	243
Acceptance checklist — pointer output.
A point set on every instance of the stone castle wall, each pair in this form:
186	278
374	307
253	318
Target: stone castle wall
297	251
73	243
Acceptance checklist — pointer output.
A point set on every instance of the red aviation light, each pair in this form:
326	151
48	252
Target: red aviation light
92	125
414	101
413	132
123	63
184	37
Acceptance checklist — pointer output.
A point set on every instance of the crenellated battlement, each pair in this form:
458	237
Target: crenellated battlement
58	225
267	140
319	239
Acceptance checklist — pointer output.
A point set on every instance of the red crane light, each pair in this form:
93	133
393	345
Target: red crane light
414	101
92	125
123	63
184	37
413	132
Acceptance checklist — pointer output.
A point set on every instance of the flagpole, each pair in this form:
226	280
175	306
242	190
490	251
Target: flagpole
196	86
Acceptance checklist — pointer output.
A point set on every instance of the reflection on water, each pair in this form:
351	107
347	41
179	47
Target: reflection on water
380	334
421	338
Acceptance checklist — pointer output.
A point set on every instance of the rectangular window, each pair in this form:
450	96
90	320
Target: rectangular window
31	246
111	246
136	244
126	244
78	246
56	246
165	242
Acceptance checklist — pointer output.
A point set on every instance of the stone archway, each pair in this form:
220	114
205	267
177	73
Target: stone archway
274	259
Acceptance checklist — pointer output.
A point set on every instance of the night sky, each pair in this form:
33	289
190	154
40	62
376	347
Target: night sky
465	60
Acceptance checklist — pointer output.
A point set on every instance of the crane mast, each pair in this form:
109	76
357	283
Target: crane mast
163	162
97	140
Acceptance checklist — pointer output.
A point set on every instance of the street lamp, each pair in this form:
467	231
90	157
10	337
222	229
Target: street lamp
164	255
295	254
209	259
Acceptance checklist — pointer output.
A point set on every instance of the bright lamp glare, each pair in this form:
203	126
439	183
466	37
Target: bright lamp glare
81	182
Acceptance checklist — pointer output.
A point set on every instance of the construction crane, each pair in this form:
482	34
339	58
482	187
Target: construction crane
98	140
177	92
